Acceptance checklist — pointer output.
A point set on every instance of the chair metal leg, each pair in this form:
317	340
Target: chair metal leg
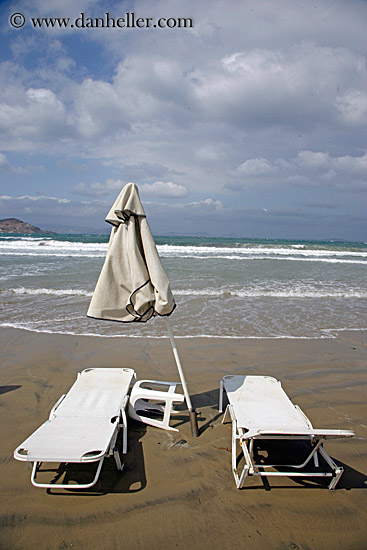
64	485
117	458
221	390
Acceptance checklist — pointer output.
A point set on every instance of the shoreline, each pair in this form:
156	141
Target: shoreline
333	334
177	491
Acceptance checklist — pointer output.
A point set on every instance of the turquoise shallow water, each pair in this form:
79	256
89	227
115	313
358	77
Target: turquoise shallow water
223	287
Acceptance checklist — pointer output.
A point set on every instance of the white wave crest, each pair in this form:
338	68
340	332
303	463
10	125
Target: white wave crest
261	293
50	291
278	258
259	251
325	334
52	247
212	292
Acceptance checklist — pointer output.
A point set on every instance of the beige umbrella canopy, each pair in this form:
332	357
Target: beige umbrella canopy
132	285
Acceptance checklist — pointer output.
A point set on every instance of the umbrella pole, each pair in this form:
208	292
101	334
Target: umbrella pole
192	412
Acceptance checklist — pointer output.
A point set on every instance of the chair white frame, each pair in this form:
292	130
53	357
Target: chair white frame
144	400
243	440
27	451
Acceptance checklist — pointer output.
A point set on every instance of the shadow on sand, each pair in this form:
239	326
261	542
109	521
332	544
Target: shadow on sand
6	389
351	478
271	451
206	400
132	479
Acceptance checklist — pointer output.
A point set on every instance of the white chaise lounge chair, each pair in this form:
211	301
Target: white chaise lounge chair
261	410
83	425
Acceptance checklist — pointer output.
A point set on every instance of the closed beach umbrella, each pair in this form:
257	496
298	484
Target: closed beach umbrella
132	285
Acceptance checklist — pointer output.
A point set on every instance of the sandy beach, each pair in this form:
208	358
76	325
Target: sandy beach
177	491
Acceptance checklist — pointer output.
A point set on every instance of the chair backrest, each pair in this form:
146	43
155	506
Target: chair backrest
260	403
98	392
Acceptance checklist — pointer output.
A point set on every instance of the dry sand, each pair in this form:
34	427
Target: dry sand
177	492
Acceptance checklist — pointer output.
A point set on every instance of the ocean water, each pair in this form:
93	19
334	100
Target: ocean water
224	287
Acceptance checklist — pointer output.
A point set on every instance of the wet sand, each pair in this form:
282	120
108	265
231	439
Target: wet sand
176	491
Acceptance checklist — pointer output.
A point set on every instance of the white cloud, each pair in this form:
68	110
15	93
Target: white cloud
155	97
253	97
207	205
37	198
8	168
4	164
259	87
256	167
294	86
330	167
309	168
100	109
313	160
353	107
156	189
356	166
163	189
212	152
33	118
97	189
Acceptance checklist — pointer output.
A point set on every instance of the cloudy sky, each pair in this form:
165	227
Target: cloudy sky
250	121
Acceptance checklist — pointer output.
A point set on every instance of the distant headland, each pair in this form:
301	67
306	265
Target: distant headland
13	225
